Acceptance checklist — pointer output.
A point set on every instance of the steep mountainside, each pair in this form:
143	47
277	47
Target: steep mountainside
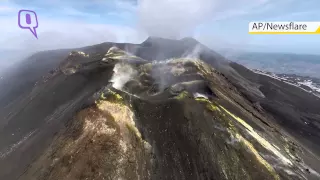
163	109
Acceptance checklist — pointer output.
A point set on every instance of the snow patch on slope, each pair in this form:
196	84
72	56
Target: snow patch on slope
294	81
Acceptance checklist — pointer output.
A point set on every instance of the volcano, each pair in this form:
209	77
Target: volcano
162	109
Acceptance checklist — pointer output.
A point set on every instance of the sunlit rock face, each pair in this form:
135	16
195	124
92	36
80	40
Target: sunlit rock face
175	118
102	142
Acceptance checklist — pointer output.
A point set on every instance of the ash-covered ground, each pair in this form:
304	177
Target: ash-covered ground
163	109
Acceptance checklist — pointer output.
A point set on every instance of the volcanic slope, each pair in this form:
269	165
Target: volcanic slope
124	111
175	119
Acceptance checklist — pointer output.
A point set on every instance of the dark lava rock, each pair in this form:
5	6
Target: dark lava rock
116	114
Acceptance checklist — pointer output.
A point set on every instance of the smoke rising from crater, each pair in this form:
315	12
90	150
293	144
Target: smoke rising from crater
173	18
122	74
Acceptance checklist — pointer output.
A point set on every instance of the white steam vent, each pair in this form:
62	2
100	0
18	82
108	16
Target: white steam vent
194	54
122	74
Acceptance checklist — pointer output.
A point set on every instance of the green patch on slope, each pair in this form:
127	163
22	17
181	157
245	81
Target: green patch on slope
182	95
110	96
210	105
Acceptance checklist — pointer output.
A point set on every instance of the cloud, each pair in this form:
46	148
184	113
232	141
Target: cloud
5	9
71	23
176	18
54	34
68	26
164	18
74	12
172	18
305	15
58	34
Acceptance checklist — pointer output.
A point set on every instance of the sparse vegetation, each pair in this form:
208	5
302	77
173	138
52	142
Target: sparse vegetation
210	105
246	144
115	95
182	95
134	130
192	138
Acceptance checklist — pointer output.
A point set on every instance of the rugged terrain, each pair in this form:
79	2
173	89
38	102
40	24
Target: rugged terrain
163	109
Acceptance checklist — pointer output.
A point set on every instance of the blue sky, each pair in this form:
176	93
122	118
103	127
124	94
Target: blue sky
217	23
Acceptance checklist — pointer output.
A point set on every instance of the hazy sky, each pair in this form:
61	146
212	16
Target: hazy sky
216	23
